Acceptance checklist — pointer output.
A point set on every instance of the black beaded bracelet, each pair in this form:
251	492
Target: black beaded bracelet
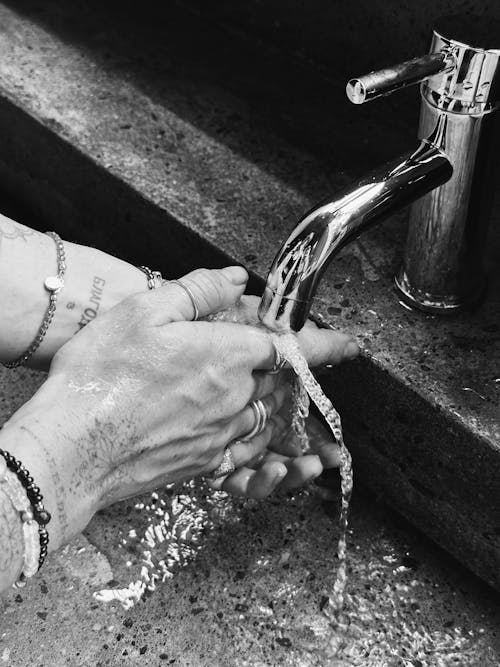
40	514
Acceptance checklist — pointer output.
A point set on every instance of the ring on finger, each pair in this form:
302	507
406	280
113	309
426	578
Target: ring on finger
226	466
190	295
261	416
279	362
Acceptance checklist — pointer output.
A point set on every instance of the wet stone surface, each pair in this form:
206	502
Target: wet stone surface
254	593
175	155
252	589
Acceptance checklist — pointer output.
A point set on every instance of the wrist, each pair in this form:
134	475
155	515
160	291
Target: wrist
39	435
96	282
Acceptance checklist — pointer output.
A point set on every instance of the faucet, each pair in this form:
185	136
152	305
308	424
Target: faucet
447	179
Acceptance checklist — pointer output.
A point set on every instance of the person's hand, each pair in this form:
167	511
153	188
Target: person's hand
283	455
143	396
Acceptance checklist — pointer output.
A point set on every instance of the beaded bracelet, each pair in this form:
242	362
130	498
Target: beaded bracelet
53	285
155	278
40	514
20	501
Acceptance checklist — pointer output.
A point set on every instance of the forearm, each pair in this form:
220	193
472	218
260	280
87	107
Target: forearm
94	282
18	441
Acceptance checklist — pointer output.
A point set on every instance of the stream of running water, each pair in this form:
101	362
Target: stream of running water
288	347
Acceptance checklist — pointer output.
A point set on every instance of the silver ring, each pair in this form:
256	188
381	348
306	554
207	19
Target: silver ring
260	413
279	362
226	466
190	295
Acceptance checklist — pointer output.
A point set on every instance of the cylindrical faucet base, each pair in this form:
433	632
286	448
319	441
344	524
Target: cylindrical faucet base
443	263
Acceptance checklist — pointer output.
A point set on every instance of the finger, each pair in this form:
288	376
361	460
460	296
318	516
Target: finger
200	292
319	347
242	452
255	484
245	422
283	440
265	384
245	451
322	443
247	454
259	350
323	346
328	452
286	445
300	470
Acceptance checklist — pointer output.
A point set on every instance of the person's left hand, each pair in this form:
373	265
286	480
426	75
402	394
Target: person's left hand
284	454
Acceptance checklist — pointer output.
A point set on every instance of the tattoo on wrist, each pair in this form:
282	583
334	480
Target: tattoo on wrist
11	231
60	492
92	309
57	483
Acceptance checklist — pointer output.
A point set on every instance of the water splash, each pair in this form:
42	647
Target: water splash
170	541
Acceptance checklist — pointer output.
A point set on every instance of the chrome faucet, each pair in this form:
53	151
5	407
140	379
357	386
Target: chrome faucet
448	178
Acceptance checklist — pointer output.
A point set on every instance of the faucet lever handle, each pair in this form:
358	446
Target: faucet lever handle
388	80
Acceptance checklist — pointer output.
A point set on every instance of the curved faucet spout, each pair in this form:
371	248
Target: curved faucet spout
321	233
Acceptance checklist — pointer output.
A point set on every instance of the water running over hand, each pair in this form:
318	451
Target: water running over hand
305	387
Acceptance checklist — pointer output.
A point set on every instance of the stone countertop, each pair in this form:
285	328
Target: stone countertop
162	125
165	109
251	591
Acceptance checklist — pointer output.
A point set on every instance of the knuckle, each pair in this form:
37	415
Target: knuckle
209	285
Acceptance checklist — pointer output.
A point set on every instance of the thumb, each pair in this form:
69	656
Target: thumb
209	290
324	346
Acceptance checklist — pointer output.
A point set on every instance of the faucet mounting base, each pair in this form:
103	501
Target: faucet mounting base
431	303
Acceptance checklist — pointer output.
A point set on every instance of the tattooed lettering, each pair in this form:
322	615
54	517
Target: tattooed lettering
91	311
11	537
59	491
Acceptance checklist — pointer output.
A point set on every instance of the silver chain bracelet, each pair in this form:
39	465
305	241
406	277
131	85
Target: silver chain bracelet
53	285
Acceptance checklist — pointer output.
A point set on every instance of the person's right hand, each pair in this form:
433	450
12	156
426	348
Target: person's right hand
143	396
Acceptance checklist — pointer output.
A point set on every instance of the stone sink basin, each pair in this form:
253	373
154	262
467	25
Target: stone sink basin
157	141
251	587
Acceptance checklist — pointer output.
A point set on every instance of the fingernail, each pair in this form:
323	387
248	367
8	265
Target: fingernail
236	274
257	460
280	474
278	478
351	350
